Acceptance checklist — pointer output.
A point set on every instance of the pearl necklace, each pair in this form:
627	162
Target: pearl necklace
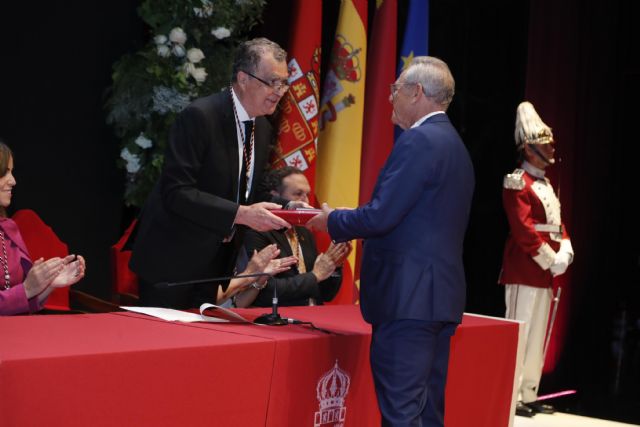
5	263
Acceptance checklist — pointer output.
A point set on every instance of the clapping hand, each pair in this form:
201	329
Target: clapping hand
72	271
326	263
339	252
41	275
277	266
260	260
266	261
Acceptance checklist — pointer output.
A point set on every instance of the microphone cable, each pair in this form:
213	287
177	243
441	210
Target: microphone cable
311	325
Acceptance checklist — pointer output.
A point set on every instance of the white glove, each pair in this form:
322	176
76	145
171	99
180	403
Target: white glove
560	264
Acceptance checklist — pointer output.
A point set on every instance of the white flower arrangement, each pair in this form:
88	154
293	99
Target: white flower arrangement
143	142
163	51
189	55
199	74
178	36
221	33
168	100
178	50
195	55
133	161
205	11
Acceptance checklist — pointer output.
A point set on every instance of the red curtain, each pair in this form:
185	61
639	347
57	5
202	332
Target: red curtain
569	81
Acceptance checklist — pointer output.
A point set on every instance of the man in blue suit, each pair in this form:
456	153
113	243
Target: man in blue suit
412	278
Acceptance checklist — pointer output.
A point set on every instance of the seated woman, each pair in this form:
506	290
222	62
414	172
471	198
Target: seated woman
243	291
25	285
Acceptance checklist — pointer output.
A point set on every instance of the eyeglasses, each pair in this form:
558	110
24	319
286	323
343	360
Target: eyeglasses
396	86
275	84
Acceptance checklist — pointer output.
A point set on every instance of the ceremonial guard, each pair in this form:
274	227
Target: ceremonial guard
538	248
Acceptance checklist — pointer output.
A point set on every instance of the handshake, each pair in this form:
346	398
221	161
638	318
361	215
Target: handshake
563	258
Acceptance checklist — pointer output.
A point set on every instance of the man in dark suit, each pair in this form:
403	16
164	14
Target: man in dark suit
412	277
316	278
218	149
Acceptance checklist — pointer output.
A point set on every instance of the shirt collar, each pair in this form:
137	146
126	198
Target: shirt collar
243	116
532	170
424	118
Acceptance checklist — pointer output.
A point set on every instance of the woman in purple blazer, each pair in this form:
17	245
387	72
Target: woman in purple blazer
25	285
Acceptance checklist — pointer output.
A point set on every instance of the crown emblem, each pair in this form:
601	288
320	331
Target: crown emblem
331	392
345	61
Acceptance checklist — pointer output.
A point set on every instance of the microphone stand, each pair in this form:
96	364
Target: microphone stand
163	285
273	318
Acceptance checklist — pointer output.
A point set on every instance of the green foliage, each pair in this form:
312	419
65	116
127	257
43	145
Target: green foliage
151	86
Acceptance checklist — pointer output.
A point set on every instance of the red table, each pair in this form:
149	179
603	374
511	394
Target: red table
129	369
482	366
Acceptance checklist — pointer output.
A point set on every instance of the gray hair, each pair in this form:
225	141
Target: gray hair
250	53
434	76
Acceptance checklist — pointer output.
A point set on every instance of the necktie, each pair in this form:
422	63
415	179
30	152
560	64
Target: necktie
296	251
246	160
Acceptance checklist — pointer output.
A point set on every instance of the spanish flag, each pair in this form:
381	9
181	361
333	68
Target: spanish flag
341	113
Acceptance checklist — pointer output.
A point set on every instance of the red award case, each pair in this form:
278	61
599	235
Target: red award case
298	216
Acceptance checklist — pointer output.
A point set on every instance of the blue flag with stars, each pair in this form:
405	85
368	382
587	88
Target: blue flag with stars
415	41
416	35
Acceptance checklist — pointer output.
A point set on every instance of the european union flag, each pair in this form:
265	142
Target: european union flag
416	35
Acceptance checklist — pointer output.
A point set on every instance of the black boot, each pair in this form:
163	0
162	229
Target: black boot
523	410
541	408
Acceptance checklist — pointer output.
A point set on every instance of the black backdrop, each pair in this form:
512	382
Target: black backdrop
584	71
56	66
54	73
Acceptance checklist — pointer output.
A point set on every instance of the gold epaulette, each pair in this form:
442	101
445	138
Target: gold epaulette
514	180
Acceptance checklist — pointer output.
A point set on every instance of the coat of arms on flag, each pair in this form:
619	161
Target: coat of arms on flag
298	132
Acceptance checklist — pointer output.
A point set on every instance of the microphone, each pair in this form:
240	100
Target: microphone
165	285
270	319
273	318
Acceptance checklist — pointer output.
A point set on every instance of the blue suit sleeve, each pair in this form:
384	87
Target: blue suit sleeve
409	170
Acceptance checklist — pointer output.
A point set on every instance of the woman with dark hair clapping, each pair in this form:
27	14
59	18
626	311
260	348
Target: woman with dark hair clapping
25	285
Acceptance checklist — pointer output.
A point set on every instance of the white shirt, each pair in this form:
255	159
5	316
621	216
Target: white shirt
423	118
243	116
